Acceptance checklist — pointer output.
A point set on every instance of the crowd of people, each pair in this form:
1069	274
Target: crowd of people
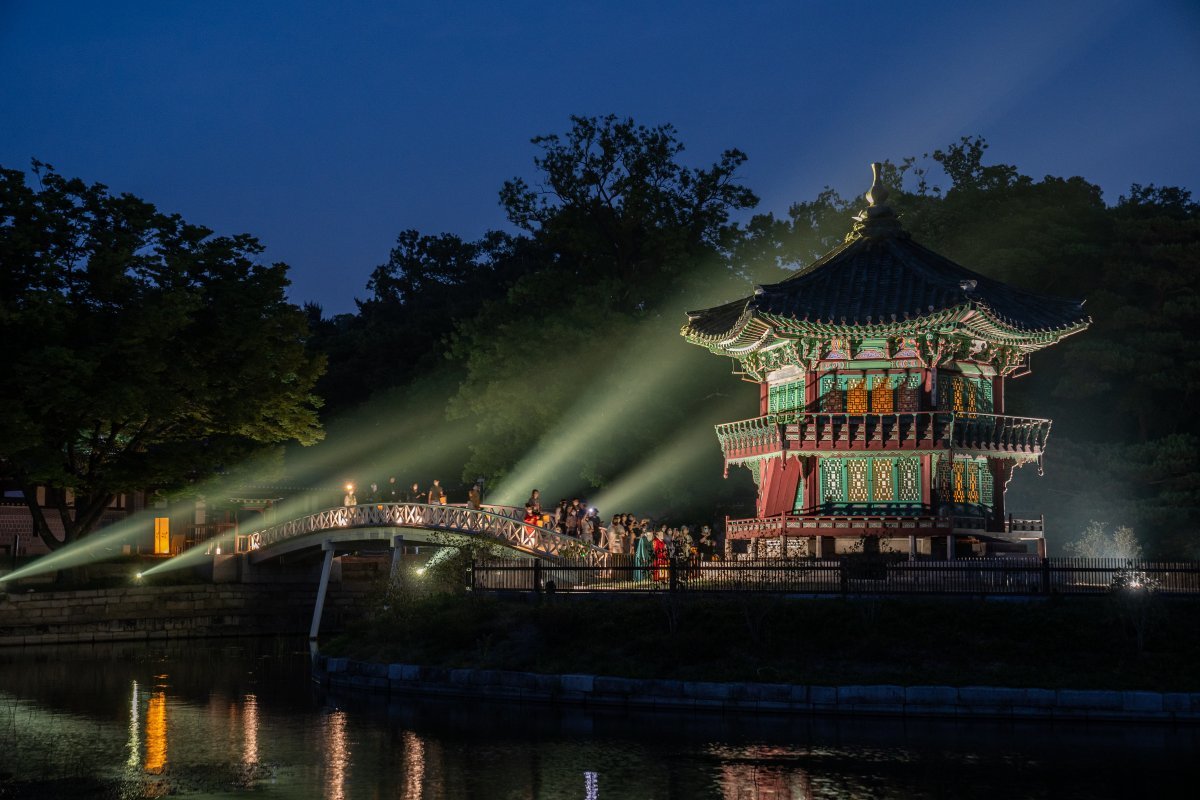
393	492
625	534
651	546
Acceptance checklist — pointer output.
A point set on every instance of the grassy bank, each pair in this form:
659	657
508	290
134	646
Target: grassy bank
1076	643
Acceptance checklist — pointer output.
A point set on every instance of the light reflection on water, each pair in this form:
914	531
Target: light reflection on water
210	720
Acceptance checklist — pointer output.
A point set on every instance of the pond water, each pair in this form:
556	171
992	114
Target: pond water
240	718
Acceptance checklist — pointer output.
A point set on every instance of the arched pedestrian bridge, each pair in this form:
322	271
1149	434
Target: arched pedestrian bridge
417	523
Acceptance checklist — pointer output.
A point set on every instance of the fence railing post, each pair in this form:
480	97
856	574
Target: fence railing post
1045	576
471	576
537	576
672	574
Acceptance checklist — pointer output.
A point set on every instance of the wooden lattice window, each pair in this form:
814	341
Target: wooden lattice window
882	401
909	470
973	483
831	481
985	402
968	396
856	479
986	491
908	398
856	397
958	490
957	394
785	397
833	400
883	488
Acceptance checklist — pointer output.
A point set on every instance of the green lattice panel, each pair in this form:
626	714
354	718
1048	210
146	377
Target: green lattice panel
857	480
909	471
832	490
785	397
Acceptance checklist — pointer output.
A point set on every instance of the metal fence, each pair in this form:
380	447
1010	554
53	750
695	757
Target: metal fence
850	575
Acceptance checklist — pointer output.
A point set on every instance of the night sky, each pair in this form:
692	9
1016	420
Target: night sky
326	128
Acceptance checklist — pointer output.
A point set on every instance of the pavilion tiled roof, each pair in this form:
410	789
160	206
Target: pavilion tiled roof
880	277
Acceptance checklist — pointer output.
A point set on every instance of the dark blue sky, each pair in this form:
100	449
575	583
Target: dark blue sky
326	128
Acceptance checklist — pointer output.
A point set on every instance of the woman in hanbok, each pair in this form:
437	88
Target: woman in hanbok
660	557
643	555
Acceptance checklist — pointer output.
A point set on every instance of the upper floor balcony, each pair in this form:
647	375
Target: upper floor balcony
810	433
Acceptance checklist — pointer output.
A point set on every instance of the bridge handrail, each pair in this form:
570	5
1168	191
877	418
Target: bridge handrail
516	533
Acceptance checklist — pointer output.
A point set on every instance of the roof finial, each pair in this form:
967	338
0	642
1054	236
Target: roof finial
877	195
878	218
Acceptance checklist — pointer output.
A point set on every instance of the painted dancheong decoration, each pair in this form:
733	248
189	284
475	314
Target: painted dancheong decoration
882	371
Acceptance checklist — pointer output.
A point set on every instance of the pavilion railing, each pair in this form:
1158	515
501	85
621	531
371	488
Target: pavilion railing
846	575
879	524
816	431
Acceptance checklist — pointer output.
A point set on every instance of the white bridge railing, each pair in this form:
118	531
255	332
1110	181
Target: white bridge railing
507	530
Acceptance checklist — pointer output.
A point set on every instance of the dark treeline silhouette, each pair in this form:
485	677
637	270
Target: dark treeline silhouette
614	238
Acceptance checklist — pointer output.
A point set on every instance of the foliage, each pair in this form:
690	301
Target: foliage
625	235
148	352
1097	542
616	237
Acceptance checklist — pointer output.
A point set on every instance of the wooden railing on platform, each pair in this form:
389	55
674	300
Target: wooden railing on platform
817	524
812	432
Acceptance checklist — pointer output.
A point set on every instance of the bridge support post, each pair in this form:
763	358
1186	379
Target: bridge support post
322	588
397	554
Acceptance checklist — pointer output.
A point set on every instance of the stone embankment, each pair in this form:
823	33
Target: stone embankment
915	701
160	612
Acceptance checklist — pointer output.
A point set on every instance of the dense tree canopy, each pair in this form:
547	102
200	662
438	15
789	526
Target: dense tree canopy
141	351
616	236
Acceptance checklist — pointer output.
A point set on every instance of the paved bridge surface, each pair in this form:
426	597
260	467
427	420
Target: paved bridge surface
416	523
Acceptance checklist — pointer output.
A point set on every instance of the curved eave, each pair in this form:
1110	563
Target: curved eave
985	324
755	330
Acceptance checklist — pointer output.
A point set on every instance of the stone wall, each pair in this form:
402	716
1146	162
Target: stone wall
916	701
158	612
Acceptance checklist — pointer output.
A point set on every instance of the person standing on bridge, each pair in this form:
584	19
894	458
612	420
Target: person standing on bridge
474	497
437	495
415	495
349	501
535	502
393	491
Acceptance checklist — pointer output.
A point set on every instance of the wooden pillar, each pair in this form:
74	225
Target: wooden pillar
912	548
950	547
927	481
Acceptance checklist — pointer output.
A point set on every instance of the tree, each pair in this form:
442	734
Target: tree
1097	542
143	352
621	239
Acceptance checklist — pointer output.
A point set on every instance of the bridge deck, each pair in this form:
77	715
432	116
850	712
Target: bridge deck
436	524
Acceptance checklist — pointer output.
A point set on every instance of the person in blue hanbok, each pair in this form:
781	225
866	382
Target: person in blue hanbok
643	554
